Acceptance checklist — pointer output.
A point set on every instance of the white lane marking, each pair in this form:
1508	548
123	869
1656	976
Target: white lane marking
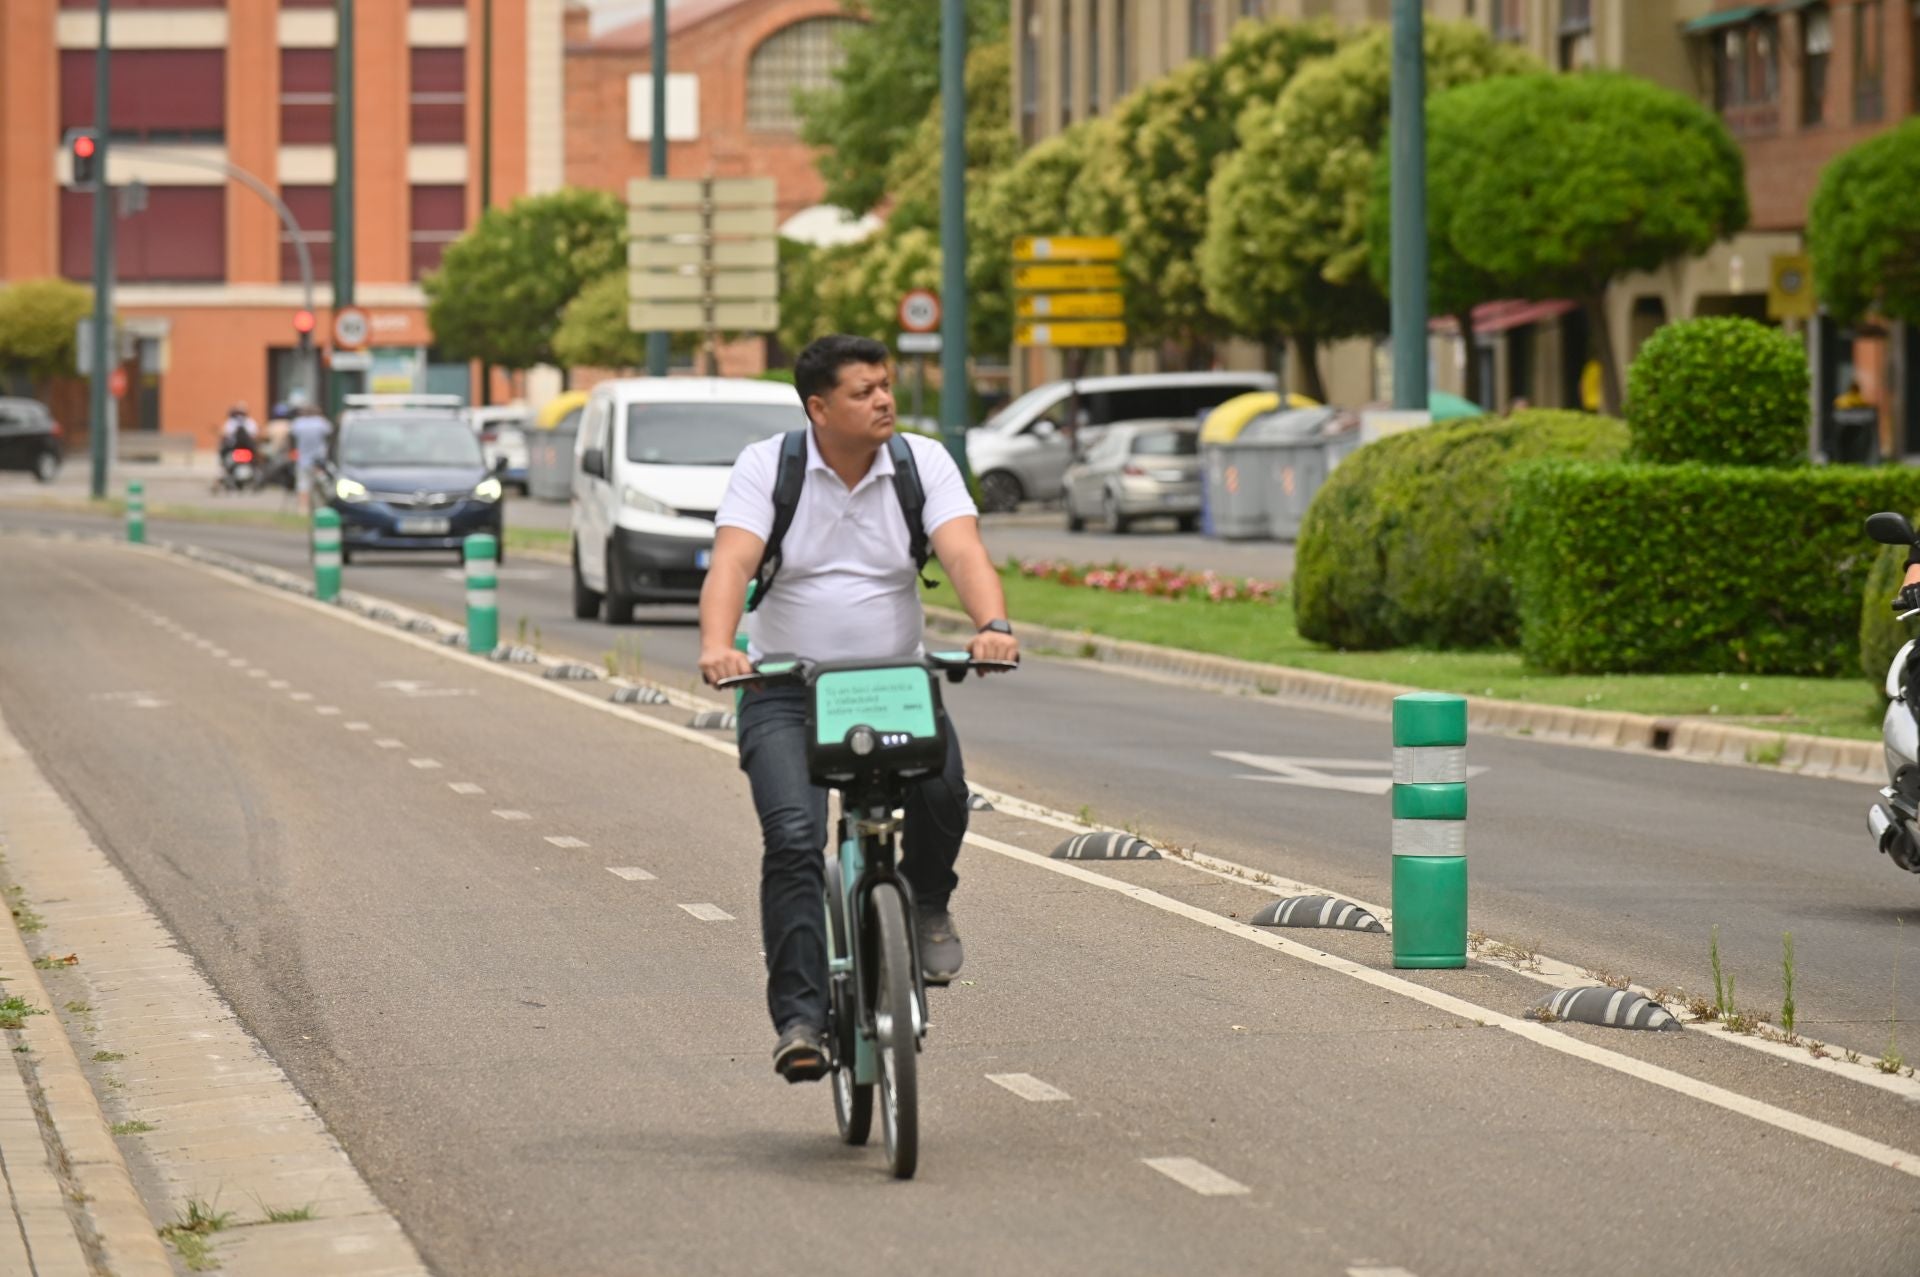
388	742
256	673
299	696
708	913
464	787
565	840
237	661
425	764
508	814
1028	1087
1370	1271
326	711
358	726
279	685
630	873
1198	1176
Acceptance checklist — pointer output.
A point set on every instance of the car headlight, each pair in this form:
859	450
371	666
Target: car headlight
635	499
349	489
487	490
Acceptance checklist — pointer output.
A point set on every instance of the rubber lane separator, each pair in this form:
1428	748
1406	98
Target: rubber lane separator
708	913
1198	1176
1028	1087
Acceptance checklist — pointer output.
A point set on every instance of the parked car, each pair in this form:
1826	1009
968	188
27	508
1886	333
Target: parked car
651	462
1022	452
410	479
503	435
1137	470
29	439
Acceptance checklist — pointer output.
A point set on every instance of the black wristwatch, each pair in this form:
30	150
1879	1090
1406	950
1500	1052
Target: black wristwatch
996	627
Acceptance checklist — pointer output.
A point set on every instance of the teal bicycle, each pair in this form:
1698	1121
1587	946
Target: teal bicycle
873	728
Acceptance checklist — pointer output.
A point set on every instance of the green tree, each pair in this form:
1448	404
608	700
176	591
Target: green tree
1149	184
913	176
1864	232
1572	181
500	291
37	320
593	330
883	91
1286	250
1033	197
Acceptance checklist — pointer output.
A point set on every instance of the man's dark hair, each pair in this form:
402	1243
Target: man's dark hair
817	370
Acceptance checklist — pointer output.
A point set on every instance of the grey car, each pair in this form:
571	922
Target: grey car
1137	470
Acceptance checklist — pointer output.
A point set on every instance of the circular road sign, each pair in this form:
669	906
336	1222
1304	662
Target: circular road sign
117	382
920	311
350	327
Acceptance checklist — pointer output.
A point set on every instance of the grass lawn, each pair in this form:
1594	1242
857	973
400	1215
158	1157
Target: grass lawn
1849	707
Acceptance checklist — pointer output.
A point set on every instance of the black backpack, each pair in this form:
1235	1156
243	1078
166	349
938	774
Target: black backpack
792	477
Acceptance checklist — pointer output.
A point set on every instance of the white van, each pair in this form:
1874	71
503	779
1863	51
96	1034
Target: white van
651	462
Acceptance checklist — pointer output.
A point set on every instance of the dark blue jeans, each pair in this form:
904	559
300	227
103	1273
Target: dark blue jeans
793	830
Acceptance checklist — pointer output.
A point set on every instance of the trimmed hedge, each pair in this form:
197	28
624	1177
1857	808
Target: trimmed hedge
1725	390
1881	633
1401	547
1692	568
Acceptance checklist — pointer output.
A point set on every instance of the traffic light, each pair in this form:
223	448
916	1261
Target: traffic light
303	324
83	145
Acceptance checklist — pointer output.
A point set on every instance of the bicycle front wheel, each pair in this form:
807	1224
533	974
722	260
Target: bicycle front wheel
898	1044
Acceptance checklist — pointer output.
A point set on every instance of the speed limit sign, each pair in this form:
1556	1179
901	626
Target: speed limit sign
920	311
350	327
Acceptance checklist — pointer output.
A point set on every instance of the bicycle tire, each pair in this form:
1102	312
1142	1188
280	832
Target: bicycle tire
896	1043
852	1101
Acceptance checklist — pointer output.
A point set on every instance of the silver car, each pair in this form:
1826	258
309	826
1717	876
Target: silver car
1137	470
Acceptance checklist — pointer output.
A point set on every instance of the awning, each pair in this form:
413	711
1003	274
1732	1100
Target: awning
1498	317
1788	6
1724	18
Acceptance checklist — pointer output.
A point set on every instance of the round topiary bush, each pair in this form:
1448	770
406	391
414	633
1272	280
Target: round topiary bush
1723	391
1402	546
1881	632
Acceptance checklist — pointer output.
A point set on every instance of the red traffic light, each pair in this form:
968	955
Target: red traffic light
303	322
83	146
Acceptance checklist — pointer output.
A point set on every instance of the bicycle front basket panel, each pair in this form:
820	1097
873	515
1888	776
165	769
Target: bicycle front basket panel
875	720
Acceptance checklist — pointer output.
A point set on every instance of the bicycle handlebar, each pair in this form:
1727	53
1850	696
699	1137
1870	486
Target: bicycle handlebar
955	665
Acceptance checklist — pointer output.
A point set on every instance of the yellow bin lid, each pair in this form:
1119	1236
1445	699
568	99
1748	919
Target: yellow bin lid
558	407
1224	424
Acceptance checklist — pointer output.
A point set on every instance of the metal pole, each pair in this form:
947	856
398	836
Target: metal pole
1409	209
342	182
99	428
954	407
657	157
486	153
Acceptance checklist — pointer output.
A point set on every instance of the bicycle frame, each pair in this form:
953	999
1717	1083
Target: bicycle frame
868	831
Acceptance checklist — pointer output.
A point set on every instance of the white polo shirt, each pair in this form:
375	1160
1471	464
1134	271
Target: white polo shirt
846	589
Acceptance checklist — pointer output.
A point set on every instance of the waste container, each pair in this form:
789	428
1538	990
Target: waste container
1259	482
550	461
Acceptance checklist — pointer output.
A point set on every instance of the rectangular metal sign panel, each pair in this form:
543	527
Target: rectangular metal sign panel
691	316
666	192
1029	334
744	192
918	344
731	254
725	285
658	223
1041	278
1071	306
1066	248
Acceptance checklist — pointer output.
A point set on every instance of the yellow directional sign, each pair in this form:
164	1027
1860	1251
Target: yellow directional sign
1790	289
1066	248
1069	334
1041	278
1071	306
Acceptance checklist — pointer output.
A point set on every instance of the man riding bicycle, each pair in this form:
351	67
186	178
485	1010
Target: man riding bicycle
848	563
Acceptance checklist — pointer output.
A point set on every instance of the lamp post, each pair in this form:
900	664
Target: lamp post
1409	276
954	406
98	411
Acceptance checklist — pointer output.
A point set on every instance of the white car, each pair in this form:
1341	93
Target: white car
651	462
503	434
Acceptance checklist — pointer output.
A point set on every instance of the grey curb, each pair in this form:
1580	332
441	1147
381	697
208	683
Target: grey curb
1699	740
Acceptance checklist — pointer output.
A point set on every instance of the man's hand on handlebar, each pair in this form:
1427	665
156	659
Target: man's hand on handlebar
1908	599
993	646
726	662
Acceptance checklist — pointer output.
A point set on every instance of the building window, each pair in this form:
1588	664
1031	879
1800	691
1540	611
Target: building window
181	238
1869	61
1816	51
1066	63
1093	57
1200	29
1730	69
437	96
306	96
1576	34
1509	19
797	59
438	215
312	208
1763	67
158	95
1122	71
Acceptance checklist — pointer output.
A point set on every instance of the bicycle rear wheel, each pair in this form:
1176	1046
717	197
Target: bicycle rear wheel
852	1099
898	1044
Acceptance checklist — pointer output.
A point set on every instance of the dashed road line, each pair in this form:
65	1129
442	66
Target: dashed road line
300	696
425	764
256	673
326	711
510	814
1365	1270
1198	1176
464	787
630	873
236	661
279	685
1028	1087
708	913
388	742
358	726
565	840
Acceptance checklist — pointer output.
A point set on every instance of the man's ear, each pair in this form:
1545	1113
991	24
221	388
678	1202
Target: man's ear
808	407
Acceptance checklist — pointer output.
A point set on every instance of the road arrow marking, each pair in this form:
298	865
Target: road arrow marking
1321	773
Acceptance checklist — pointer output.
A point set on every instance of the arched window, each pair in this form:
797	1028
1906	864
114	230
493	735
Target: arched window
795	59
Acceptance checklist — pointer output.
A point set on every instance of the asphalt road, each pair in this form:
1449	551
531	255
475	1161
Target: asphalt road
1617	862
546	1067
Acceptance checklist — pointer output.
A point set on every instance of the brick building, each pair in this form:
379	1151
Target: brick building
207	280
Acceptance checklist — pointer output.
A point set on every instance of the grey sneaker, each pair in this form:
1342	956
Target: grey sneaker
940	953
800	1056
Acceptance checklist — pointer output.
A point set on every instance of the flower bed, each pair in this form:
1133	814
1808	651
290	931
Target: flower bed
1156	581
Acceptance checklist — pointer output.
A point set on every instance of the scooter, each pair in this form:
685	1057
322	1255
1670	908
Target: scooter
239	469
1895	821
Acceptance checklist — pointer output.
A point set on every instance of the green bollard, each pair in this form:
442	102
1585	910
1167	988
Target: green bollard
483	593
326	554
136	514
1429	830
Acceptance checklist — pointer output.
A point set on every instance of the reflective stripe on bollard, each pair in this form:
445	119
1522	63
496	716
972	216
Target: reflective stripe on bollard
483	593
1429	830
136	513
326	554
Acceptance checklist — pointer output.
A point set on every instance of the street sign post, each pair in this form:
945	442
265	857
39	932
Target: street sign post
702	256
920	337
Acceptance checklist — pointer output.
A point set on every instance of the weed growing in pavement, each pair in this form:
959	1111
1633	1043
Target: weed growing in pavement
1701	1009
107	1057
14	1012
1084	815
47	961
1542	1014
1769	754
135	1127
536	638
1747	1021
1818	1050
1608	978
23	915
1890	1061
1089	650
23	1049
79	1008
1722	984
1786	976
611	662
295	1215
520	630
1852	1056
1524	956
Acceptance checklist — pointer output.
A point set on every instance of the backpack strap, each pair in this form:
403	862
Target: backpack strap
913	504
790	479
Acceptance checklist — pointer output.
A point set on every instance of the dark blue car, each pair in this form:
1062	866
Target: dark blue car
403	481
